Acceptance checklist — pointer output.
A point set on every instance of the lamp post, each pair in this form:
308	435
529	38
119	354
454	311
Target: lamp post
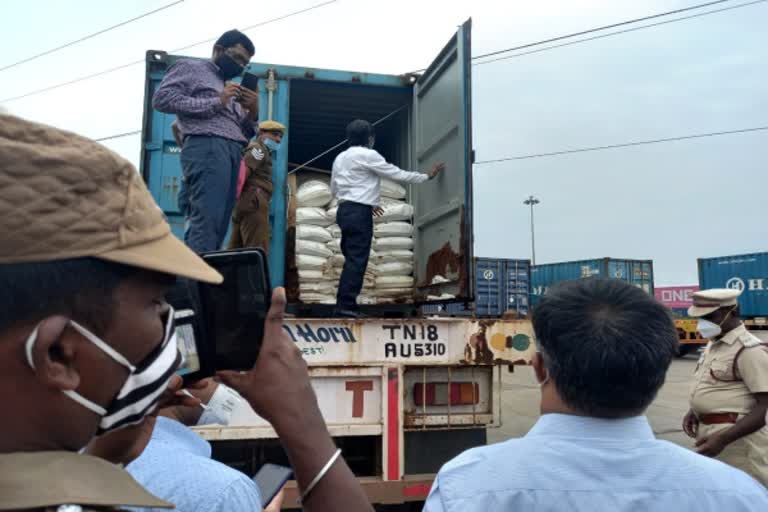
532	201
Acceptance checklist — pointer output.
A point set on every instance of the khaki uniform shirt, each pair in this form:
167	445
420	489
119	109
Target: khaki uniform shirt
47	480
258	162
719	385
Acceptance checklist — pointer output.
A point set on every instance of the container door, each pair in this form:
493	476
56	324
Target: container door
442	131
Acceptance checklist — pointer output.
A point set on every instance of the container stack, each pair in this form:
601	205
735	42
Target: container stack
389	276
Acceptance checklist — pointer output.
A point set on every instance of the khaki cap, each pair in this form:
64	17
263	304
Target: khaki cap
46	479
271	126
64	196
709	301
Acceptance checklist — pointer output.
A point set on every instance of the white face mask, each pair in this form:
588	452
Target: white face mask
141	390
708	329
220	407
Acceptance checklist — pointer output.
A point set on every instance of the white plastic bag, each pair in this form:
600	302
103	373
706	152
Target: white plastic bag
394	269
313	233
392	189
400	255
393	292
313	193
384	282
317	298
325	288
312	215
311	276
310	248
388	229
304	262
393	243
394	211
331	213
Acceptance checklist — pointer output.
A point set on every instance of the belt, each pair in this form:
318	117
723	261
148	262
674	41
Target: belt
718	417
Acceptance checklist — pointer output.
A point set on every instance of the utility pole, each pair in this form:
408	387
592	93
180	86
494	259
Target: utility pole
532	201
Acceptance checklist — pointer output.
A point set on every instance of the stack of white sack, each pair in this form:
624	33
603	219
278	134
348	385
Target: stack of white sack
312	236
393	247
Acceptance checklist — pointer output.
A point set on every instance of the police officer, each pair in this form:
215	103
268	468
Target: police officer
250	219
729	395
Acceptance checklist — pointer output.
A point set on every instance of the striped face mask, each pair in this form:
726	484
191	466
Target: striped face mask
142	389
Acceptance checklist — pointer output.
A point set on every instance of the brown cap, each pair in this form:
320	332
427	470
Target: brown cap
32	480
64	196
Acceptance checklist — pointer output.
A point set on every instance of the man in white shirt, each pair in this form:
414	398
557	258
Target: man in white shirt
604	350
355	183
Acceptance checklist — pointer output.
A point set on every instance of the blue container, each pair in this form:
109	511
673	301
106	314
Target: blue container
420	118
501	285
745	272
637	272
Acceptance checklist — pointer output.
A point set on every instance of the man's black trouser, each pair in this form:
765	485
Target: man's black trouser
356	223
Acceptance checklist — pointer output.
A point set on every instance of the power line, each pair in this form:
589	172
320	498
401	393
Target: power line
604	27
623	145
129	64
633	29
262	23
90	36
117	136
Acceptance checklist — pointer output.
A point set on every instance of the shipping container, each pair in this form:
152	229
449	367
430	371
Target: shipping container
422	118
745	272
501	286
676	298
636	272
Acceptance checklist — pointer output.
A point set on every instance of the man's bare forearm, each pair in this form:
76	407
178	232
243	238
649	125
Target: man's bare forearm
309	448
750	423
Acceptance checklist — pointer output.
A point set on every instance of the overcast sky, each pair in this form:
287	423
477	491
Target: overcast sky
670	202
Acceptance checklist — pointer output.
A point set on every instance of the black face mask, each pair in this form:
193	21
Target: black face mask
228	67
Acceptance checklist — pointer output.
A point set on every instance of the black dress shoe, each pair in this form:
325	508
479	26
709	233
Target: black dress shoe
348	313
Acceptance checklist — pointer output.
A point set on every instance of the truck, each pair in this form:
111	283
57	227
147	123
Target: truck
747	273
401	392
678	299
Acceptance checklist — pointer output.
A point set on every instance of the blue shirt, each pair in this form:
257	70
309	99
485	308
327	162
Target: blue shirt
177	465
574	463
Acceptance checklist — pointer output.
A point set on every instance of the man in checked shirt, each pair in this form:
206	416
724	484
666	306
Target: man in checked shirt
217	118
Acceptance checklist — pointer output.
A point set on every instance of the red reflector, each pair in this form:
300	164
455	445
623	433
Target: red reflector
437	393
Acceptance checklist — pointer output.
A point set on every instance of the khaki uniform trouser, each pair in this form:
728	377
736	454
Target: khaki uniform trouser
749	454
250	220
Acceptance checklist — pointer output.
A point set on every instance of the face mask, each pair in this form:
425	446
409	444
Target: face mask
710	329
139	394
271	144
220	407
228	67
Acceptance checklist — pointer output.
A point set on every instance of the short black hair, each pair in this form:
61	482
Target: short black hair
606	344
81	288
234	37
359	131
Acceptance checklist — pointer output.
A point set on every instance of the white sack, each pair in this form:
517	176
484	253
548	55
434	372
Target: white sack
313	193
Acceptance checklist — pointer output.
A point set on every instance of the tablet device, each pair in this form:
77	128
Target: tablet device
270	479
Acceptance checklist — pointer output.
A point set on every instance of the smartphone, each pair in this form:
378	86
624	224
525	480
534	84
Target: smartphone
250	81
270	479
220	327
234	311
